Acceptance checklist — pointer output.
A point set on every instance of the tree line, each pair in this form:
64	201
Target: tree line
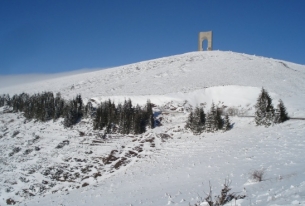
126	118
123	118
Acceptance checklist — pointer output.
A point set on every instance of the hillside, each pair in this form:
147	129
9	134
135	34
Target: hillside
47	164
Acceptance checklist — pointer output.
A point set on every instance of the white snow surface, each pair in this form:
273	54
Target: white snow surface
179	73
166	165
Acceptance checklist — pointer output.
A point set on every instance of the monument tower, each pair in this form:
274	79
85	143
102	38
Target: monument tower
205	36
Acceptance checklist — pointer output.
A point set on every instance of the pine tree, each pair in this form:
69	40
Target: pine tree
226	123
212	124
202	116
79	106
73	111
219	120
89	110
1	100
98	119
139	120
198	121
49	107
264	114
6	100
150	115
280	113
58	106
70	117
190	121
127	117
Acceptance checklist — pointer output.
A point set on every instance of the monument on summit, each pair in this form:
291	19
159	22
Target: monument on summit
205	36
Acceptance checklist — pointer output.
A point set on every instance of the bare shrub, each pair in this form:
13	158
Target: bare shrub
258	175
225	196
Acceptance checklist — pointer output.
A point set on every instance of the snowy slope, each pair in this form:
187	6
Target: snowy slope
166	165
179	73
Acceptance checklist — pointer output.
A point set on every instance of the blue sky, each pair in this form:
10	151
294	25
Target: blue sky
50	36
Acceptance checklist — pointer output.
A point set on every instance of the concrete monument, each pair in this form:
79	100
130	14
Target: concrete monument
205	36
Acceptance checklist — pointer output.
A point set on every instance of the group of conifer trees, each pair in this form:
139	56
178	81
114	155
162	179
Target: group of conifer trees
126	119
45	106
199	122
265	114
123	118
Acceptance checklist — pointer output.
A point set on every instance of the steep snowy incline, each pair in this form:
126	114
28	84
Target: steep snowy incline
179	73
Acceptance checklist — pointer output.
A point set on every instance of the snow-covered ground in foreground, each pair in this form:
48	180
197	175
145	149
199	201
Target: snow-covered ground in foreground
178	173
45	164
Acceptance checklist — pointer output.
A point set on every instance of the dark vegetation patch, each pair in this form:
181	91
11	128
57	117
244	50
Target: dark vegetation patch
62	144
10	201
110	157
15	150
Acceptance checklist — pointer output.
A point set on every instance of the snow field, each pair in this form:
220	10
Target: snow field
179	173
166	165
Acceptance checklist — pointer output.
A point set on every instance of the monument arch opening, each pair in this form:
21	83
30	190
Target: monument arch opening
205	44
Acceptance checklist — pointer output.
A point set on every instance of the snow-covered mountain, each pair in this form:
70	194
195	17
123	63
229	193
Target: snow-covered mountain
180	74
46	164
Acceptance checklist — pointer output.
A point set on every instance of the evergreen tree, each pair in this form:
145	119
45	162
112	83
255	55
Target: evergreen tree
58	106
190	121
49	108
212	120
126	117
202	116
219	120
78	104
280	113
88	110
6	100
150	115
98	119
264	114
226	123
139	121
1	100
73	111
29	109
70	116
196	120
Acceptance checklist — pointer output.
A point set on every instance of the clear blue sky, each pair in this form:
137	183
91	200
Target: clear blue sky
49	36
